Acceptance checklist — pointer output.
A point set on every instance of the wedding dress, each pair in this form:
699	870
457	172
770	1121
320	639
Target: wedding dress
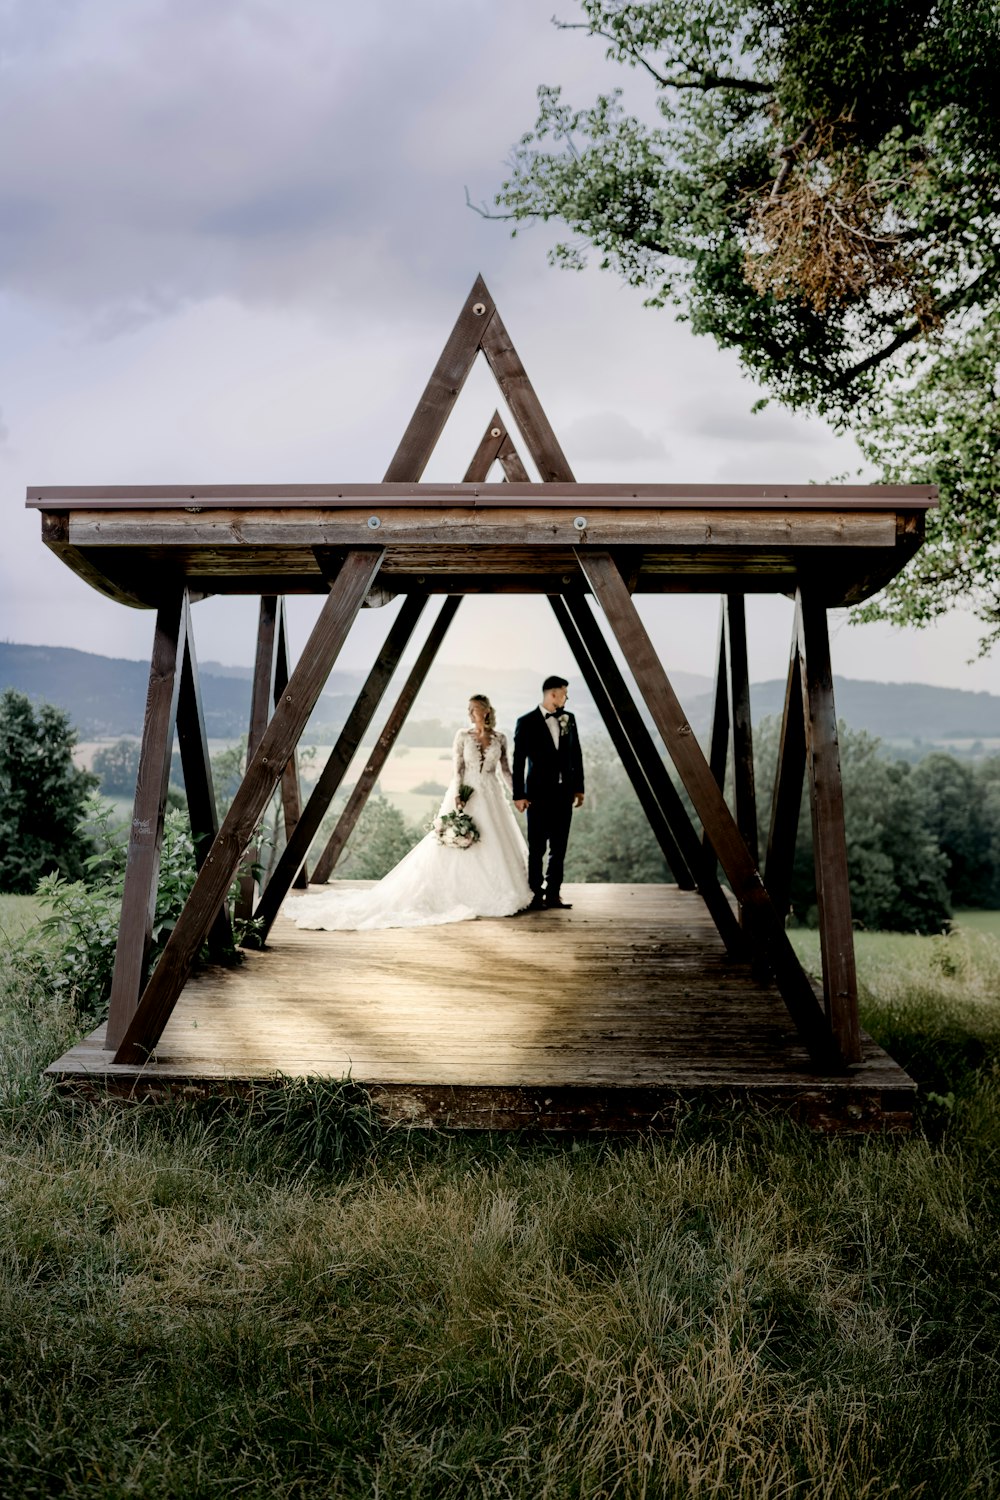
433	884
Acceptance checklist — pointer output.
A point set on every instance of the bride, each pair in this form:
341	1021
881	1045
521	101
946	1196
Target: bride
435	883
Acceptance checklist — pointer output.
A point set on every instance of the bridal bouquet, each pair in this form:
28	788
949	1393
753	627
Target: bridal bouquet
456	830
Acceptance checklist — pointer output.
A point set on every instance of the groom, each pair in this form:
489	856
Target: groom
548	784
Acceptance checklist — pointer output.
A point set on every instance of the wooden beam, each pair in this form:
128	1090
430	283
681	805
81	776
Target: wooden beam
291	787
261	704
744	792
826	794
142	866
761	920
297	848
510	462
443	389
683	830
526	409
619	738
196	763
786	794
488	451
397	718
718	752
255	791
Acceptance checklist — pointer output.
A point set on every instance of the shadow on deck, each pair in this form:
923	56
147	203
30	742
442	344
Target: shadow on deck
612	1016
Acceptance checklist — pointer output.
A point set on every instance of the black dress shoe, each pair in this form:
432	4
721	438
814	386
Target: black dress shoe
557	901
535	904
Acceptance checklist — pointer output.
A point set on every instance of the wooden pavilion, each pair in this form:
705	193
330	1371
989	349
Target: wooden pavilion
659	993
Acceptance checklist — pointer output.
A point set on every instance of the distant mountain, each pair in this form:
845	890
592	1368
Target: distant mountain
105	698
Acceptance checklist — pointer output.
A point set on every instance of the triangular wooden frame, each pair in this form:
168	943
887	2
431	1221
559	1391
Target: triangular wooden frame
831	1036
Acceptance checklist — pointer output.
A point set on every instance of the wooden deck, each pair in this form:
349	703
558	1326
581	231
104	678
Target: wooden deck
614	1015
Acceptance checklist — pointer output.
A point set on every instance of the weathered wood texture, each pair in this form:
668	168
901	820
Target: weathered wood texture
142	867
291	786
327	861
718	750
786	796
196	765
744	791
261	704
255	791
762	922
608	708
609	1016
683	830
833	897
340	757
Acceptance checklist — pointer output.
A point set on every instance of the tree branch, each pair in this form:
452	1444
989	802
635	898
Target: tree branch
946	305
706	81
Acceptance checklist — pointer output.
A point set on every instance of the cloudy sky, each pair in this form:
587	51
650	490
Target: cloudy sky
233	238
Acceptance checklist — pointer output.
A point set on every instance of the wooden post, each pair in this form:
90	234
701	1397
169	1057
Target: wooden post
261	703
142	866
397	718
833	896
744	794
340	757
701	872
619	738
291	787
196	763
761	921
511	376
718	753
786	795
252	796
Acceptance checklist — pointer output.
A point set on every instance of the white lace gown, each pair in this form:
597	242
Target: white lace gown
432	884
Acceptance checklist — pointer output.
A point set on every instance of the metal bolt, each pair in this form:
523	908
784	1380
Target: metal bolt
373	523
580	522
495	432
479	308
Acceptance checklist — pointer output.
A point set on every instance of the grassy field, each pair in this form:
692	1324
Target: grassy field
275	1298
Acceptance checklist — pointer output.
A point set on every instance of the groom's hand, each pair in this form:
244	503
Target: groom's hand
577	799
522	804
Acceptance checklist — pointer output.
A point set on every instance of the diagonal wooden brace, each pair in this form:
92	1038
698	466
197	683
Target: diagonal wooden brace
255	791
761	921
294	853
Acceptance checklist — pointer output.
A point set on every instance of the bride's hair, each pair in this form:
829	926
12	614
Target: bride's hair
491	713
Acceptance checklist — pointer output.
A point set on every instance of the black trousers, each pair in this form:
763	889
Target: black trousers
548	828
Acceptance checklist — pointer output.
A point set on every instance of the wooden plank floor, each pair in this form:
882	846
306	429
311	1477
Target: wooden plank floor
612	1015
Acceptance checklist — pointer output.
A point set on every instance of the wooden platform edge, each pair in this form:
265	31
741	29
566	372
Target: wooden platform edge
849	1104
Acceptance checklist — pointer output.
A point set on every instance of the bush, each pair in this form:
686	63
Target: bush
42	795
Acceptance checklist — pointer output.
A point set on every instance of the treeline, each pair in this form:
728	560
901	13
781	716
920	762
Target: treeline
923	839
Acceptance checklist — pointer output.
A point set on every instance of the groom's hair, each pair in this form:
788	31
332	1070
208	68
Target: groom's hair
552	682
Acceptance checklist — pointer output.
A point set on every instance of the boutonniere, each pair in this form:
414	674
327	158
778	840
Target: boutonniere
563	722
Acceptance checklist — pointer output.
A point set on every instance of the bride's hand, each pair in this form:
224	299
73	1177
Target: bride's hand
459	804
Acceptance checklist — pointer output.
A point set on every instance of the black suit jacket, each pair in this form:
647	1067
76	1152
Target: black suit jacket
540	770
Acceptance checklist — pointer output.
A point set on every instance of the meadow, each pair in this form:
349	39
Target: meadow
276	1297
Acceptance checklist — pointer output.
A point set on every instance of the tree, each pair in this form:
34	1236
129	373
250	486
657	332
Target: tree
896	870
379	841
117	766
42	795
819	193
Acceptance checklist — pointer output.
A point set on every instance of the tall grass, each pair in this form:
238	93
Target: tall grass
273	1297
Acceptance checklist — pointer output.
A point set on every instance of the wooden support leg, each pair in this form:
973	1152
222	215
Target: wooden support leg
786	797
261	700
608	710
142	867
744	794
397	718
701	867
840	984
255	791
719	747
762	922
197	766
291	787
295	851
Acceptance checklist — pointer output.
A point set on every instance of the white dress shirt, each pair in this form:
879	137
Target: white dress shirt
552	725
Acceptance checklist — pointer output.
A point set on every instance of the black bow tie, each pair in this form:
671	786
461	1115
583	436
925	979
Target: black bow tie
552	716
